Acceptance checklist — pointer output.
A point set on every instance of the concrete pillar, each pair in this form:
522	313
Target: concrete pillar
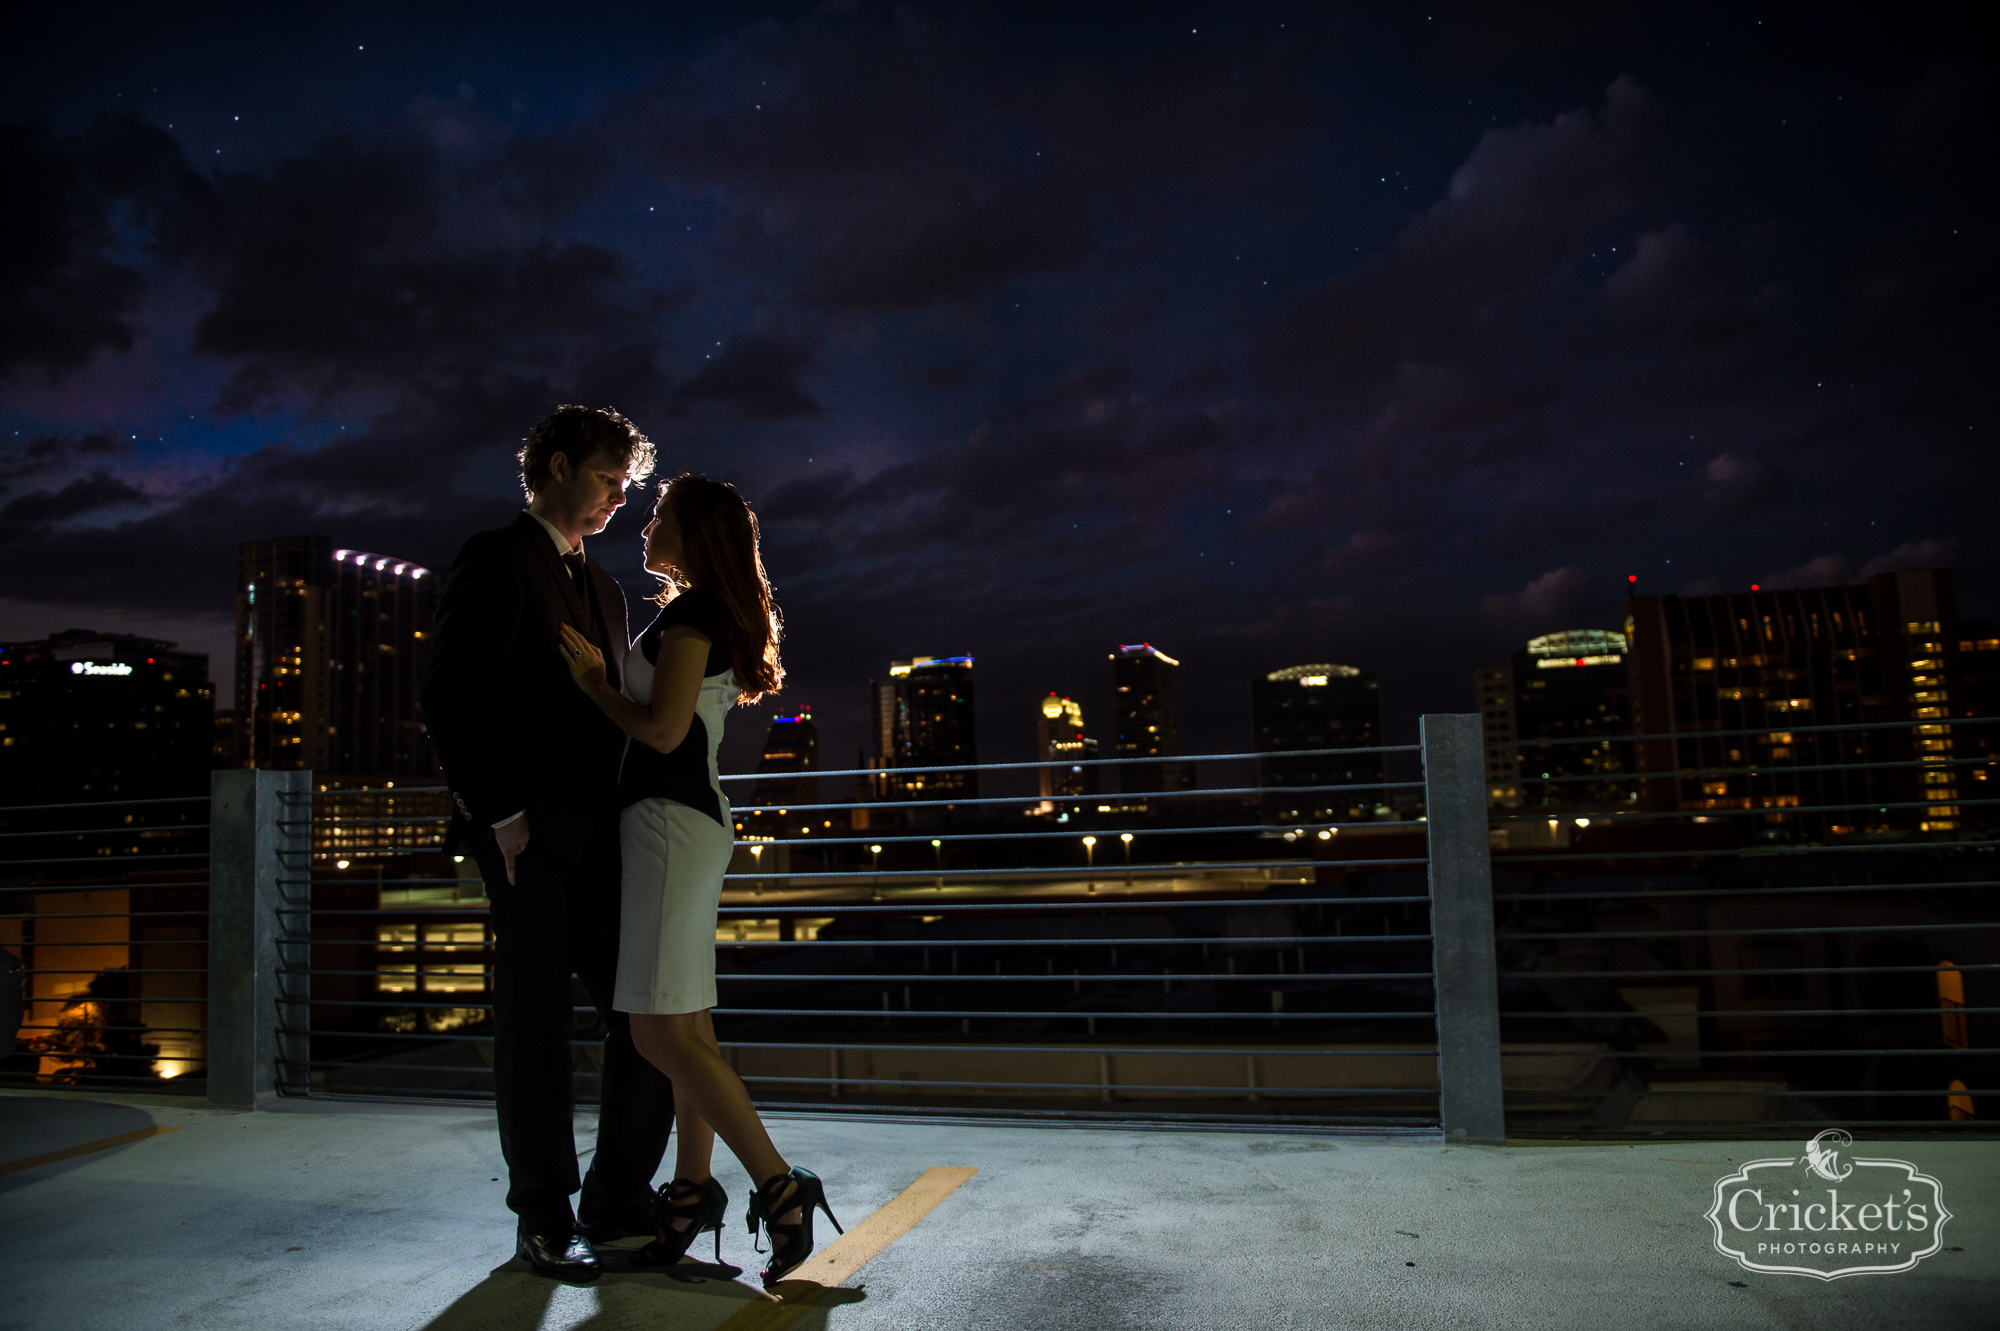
1466	975
260	837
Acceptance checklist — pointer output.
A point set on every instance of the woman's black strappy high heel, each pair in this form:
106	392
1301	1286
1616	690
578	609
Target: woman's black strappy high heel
702	1205
798	1189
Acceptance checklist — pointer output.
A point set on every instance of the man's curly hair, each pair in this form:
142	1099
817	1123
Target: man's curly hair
581	433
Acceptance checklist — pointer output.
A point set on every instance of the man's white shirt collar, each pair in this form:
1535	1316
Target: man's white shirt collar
563	547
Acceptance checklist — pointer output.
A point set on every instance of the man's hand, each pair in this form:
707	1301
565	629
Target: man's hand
513	839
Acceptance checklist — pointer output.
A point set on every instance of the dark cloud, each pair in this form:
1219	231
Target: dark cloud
86	494
1825	571
1927	553
411	289
1546	603
47	453
364	265
753	375
1264	344
892	159
65	293
1464	278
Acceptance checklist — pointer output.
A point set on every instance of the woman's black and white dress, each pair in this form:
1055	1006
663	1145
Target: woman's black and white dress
675	831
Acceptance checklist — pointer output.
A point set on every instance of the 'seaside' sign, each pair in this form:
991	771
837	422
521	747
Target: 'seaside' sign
1828	1213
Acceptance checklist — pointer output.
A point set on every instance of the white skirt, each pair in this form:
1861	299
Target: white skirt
674	861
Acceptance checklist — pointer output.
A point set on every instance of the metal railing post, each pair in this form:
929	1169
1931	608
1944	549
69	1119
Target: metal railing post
248	852
1467	983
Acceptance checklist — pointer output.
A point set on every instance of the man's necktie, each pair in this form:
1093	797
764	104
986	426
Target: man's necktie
577	575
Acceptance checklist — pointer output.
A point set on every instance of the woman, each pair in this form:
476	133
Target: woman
715	642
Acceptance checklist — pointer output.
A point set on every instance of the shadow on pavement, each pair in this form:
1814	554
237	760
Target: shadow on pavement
694	1295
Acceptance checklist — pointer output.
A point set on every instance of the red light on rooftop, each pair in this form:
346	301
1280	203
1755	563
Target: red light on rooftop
1631	577
1753	587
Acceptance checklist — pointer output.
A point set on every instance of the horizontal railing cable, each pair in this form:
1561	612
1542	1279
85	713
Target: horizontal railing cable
1756	852
103	859
1739	1053
102	804
1008	801
1065	763
1747	970
1740	892
158	830
1756	1012
1759	730
1614	817
1764	769
1772	930
923	908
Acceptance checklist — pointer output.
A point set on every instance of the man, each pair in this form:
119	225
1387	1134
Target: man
533	765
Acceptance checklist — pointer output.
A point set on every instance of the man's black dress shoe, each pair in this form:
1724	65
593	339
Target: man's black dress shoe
564	1254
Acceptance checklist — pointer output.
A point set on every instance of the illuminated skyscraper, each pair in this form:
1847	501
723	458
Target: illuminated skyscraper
101	716
791	750
1059	737
1561	686
1774	664
328	644
1146	699
1493	689
923	717
1318	707
784	780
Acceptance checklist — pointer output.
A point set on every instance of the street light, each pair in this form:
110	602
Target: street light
1126	837
756	865
1090	862
875	866
937	849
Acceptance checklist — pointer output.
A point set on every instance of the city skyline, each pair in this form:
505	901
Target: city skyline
1357	334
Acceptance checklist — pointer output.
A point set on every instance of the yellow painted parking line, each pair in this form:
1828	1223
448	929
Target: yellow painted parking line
88	1148
839	1260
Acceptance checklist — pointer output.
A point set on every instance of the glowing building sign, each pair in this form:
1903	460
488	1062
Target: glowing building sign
92	668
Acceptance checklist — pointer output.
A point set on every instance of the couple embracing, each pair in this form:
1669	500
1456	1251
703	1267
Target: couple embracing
582	765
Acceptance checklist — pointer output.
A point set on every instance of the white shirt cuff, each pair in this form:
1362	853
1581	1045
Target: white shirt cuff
504	821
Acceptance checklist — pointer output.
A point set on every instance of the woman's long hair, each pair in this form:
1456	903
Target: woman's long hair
719	551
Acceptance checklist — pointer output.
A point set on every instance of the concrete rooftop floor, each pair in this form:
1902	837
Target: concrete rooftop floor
354	1215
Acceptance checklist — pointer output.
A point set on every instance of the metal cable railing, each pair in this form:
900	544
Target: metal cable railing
1818	956
1755	936
112	942
1200	977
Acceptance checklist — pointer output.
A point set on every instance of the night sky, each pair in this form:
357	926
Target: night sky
1384	334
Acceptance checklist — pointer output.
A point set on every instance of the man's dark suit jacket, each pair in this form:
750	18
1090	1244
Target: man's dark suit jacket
512	729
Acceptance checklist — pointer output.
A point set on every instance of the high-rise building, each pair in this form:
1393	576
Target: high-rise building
1059	738
1561	686
1146	703
1320	706
103	716
328	645
923	717
1773	663
791	754
1493	691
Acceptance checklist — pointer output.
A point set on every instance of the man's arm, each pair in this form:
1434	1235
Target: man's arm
478	620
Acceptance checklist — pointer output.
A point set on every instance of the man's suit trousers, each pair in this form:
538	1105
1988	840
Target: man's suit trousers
561	919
